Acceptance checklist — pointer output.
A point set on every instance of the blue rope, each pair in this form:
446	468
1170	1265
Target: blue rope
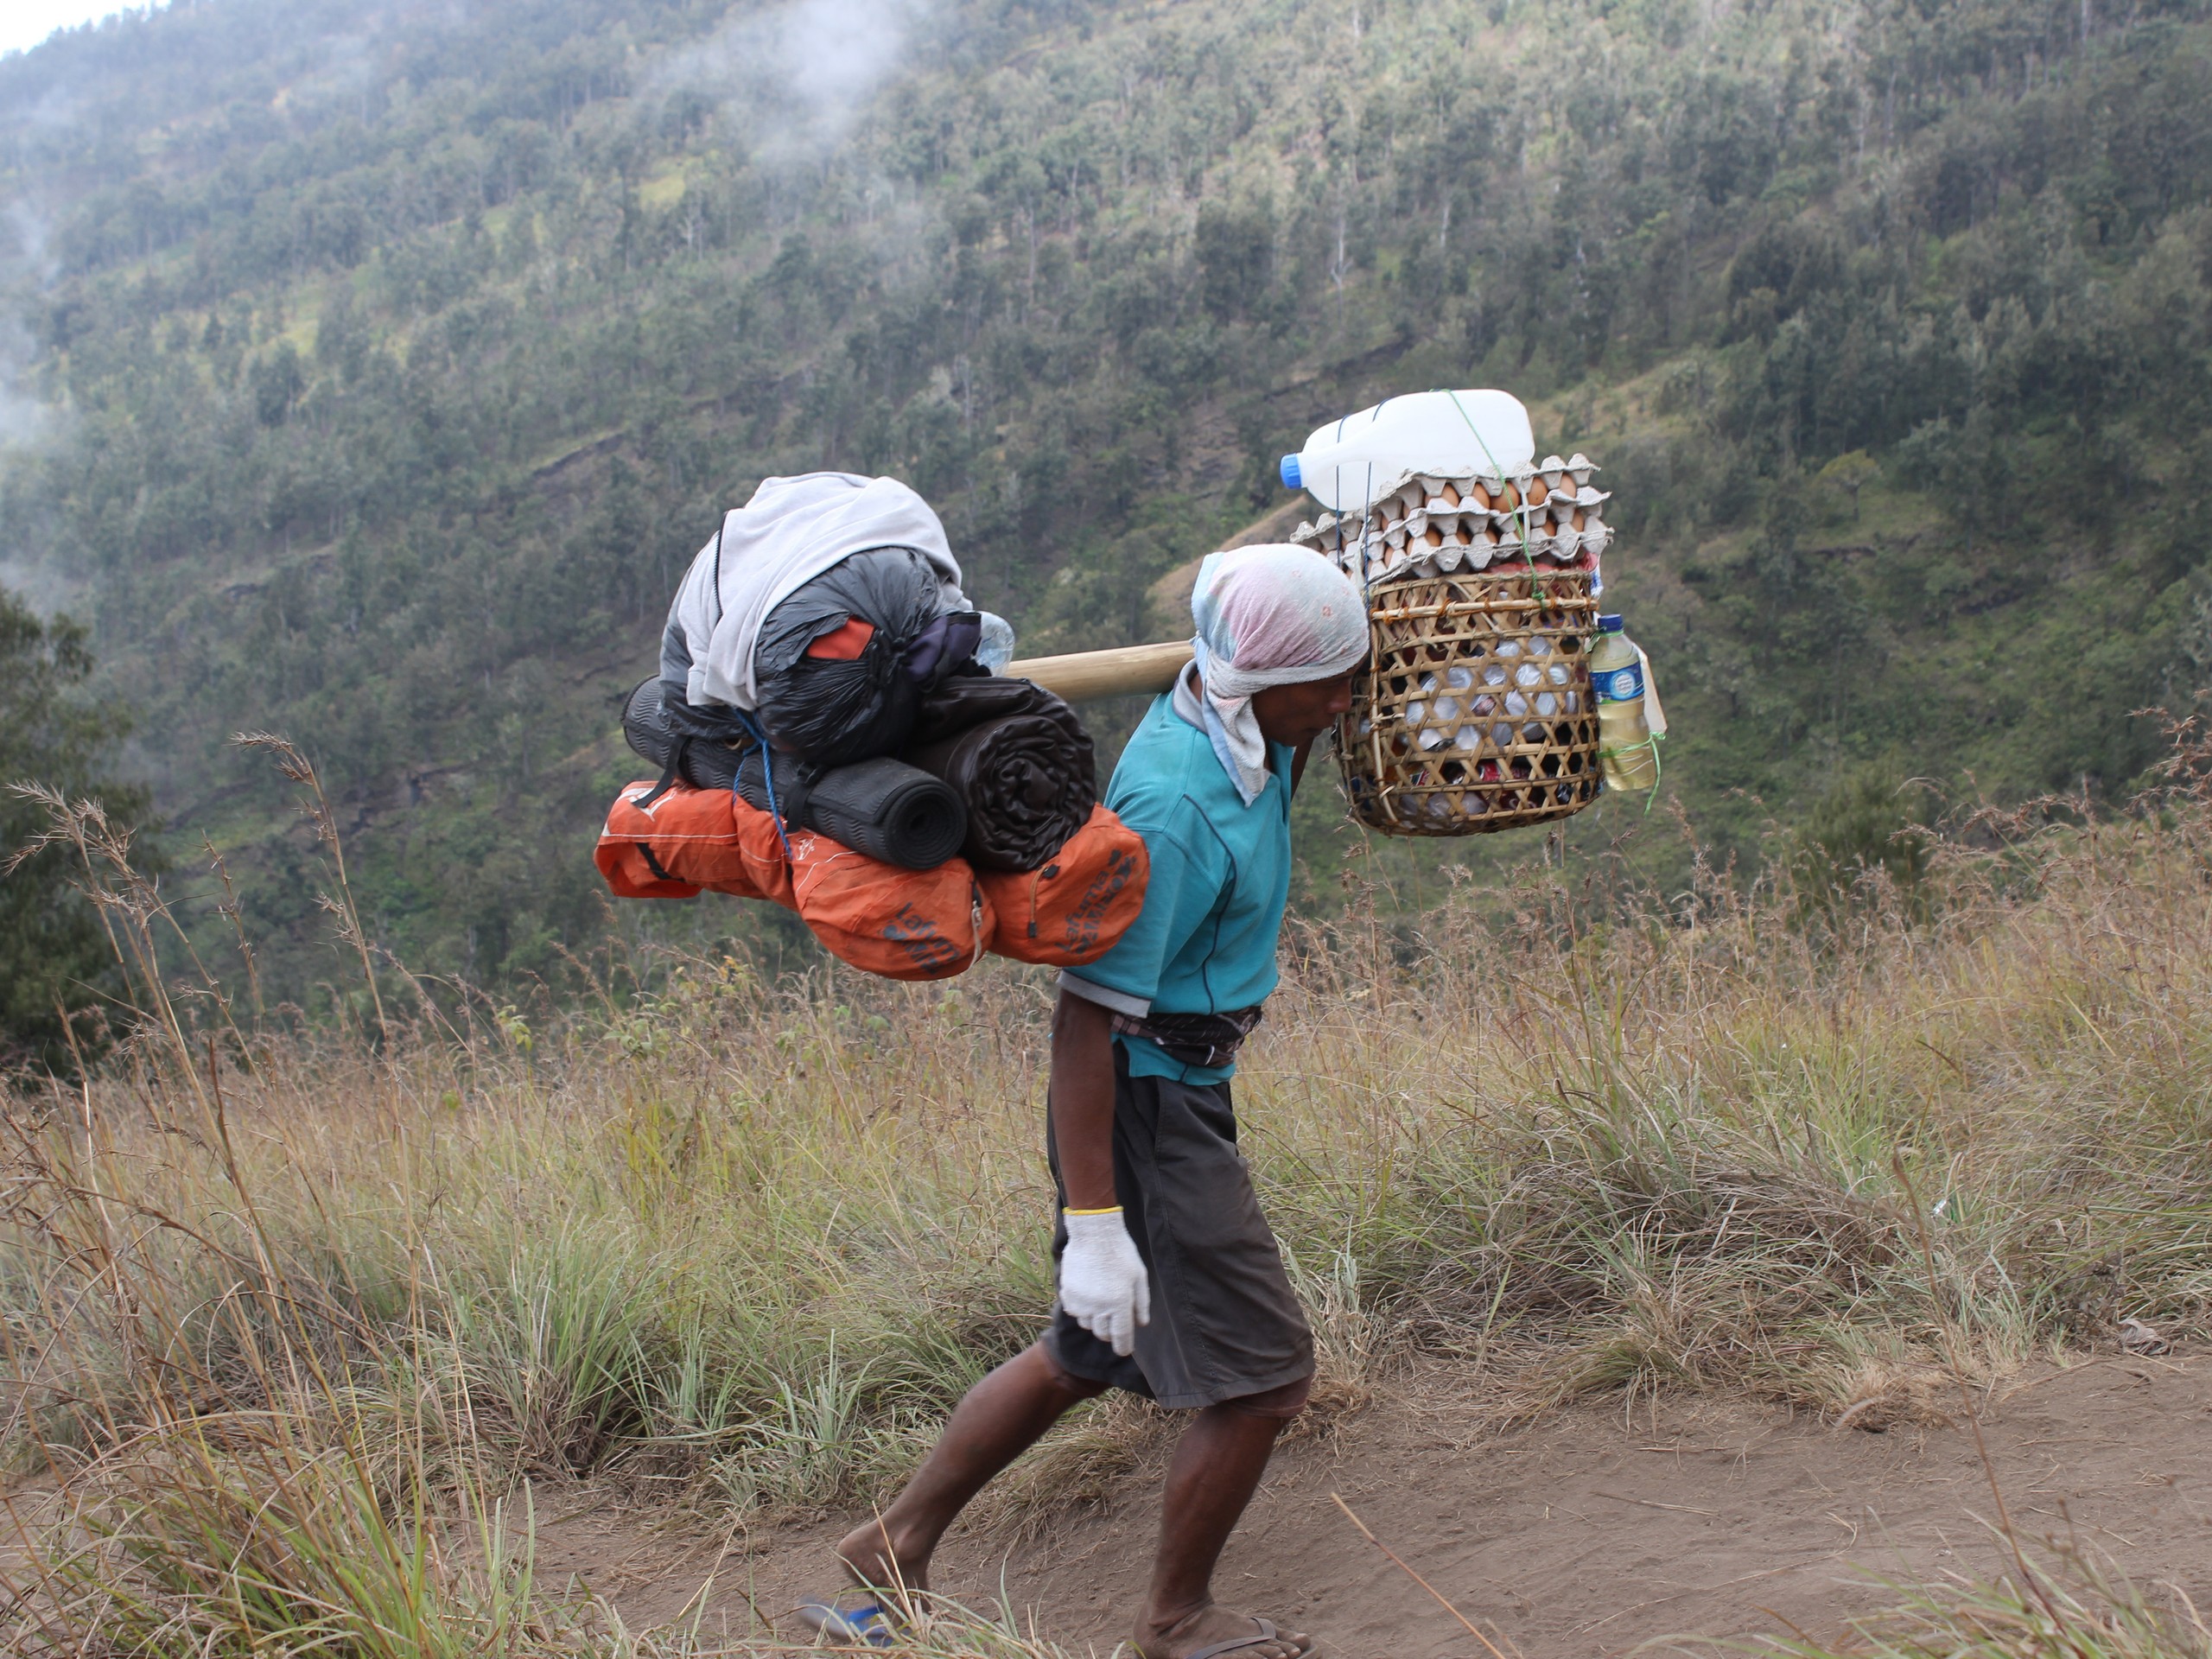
767	777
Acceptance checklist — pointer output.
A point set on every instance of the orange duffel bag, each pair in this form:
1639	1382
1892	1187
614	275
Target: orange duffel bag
899	923
670	843
1072	910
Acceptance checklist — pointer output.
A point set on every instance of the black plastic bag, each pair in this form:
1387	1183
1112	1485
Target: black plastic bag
716	727
835	710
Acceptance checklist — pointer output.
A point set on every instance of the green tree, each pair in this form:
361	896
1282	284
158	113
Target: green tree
1848	473
1871	818
1235	248
55	954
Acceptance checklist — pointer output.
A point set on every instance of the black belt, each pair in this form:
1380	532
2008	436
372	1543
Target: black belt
1192	1038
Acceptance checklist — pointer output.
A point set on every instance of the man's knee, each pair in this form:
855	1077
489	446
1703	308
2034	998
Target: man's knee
1277	1405
1079	1387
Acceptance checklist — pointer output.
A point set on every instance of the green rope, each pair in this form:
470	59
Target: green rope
1658	765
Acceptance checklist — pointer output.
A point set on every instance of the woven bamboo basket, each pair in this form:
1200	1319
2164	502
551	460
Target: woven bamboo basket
1475	712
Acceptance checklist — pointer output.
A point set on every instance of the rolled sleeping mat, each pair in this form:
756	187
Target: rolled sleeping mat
1020	760
882	807
889	810
701	762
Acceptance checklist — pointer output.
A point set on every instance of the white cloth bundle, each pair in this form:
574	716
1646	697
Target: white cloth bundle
790	531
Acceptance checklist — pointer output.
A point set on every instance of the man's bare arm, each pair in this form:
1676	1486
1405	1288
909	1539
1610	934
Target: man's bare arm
1083	1101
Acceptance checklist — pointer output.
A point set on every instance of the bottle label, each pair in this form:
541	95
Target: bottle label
1620	685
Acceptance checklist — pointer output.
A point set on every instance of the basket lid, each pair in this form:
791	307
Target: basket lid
1610	622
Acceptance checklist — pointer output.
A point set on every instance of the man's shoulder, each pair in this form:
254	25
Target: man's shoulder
1161	762
1167	780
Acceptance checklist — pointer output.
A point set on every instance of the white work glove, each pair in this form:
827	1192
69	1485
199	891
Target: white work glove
1103	1283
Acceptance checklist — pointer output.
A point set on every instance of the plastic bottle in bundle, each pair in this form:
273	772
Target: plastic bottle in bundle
995	645
1624	745
1440	434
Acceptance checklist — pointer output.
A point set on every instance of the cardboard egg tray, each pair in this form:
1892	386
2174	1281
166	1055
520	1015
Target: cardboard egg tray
1549	516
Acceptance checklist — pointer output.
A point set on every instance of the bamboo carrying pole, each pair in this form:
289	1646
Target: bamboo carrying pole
1125	671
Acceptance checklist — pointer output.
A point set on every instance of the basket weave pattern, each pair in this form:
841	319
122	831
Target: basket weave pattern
1475	711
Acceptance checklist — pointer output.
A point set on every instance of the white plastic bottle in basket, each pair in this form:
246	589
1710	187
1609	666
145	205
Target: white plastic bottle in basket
1444	434
1625	745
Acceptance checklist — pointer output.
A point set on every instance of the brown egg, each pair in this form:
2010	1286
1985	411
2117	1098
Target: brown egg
1434	536
1578	520
1538	493
1479	496
1451	496
1508	498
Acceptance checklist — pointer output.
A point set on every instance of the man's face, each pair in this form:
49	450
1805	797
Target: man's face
1299	712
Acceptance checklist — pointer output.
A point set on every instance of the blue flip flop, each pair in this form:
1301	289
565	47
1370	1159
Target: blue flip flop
868	1625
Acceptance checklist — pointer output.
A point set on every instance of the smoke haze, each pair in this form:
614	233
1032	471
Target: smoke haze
795	77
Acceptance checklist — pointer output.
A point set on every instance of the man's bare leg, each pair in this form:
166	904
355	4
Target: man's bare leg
998	1420
1217	1468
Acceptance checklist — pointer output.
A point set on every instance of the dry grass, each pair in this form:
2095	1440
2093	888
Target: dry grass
2073	1612
289	1317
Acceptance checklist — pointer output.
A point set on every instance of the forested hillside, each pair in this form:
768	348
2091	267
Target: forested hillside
381	364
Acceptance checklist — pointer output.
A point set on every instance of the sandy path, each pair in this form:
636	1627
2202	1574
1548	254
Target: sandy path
1585	1536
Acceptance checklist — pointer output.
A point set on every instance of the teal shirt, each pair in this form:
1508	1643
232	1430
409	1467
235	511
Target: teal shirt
1204	942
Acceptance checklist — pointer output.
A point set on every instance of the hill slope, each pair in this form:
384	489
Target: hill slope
383	363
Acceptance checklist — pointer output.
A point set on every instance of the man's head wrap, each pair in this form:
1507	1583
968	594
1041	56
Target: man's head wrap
1268	615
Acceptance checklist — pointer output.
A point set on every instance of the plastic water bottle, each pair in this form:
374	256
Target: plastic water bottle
1624	745
1351	462
995	649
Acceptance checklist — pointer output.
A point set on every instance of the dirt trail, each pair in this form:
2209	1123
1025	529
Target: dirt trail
1584	1536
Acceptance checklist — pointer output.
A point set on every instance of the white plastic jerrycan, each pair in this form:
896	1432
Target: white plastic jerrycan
1444	434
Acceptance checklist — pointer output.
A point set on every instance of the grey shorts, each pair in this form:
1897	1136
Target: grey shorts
1224	1321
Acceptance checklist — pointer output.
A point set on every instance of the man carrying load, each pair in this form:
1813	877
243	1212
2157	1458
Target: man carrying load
1170	1283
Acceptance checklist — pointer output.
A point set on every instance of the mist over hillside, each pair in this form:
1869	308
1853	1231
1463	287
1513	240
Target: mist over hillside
371	371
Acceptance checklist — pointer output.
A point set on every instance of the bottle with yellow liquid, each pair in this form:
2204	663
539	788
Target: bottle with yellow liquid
1625	745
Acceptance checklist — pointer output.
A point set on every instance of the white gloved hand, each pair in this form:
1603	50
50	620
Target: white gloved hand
1102	1282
